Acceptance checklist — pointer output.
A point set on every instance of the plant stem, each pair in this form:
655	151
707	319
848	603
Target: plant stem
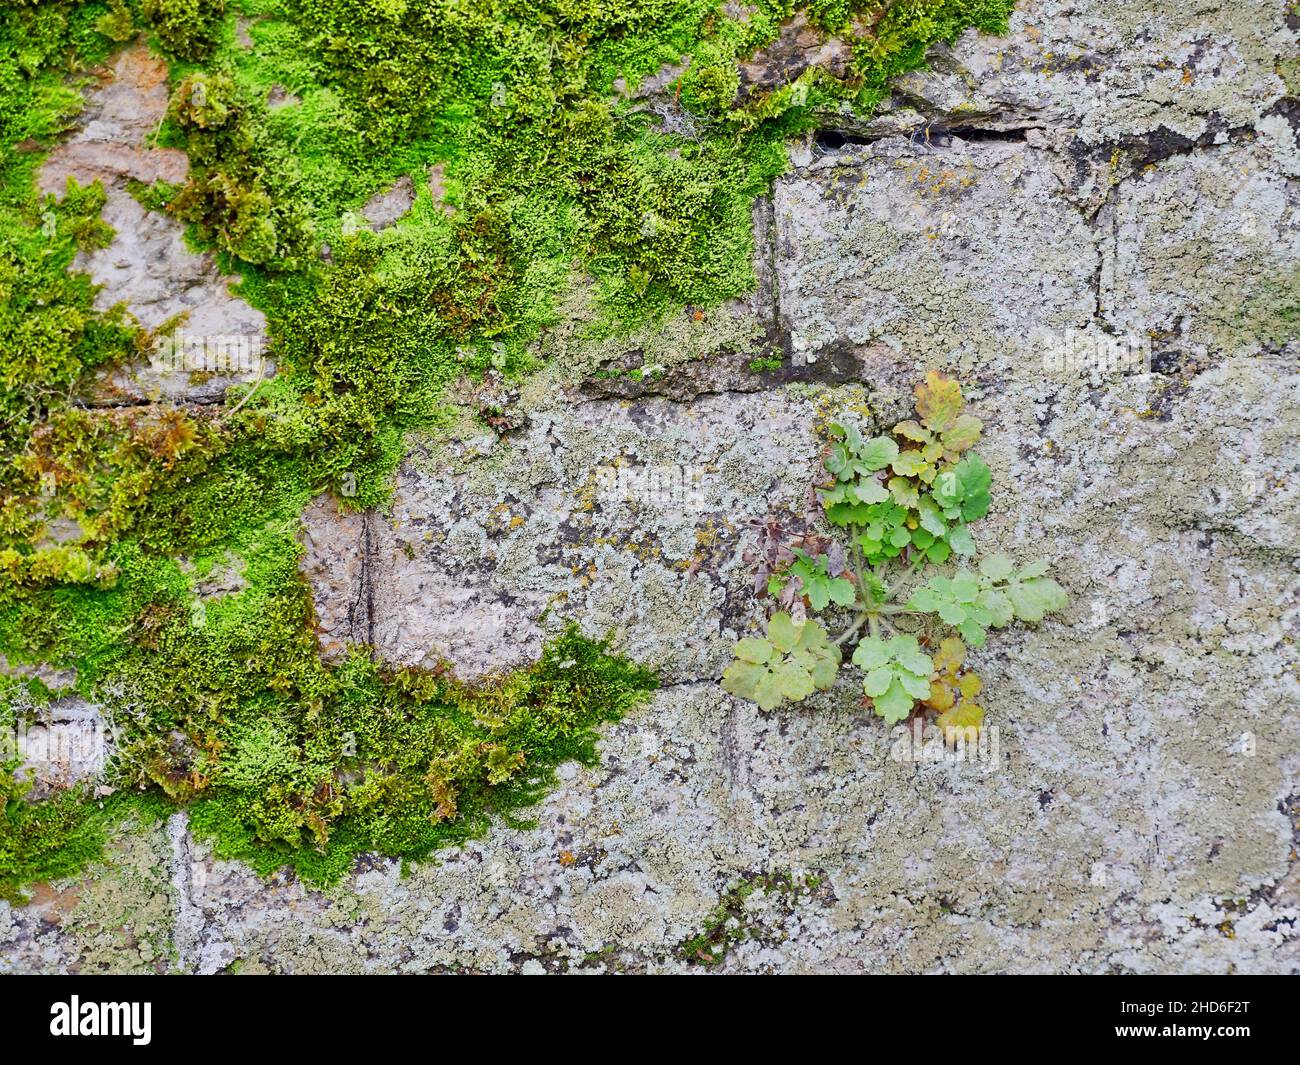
857	624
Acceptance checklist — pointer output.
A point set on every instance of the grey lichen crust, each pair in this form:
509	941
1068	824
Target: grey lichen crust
1106	174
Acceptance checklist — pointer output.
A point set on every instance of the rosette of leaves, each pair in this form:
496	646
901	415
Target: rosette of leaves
794	660
973	602
860	498
907	497
896	674
953	690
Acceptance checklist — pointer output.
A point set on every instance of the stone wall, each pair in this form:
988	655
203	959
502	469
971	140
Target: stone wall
1110	177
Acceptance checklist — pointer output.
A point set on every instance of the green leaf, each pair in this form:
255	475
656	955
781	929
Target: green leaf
952	613
948	488
998	606
908	654
743	678
767	693
1032	599
782	631
824	672
903	491
839	461
924	598
975	479
871	548
848	432
930	517
796	683
876	590
960	540
915	686
871	653
996	567
965	587
877	682
869	491
842	592
895	704
754	650
878	453
843	514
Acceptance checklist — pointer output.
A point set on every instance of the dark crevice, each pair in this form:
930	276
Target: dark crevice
1287	108
931	134
361	613
131	402
728	374
832	140
976	134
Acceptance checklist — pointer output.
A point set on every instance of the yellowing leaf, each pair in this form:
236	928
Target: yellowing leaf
964	433
909	463
941	697
783	632
938	401
965	716
910	430
951	654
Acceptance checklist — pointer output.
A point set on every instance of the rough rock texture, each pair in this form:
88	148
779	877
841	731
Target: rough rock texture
1133	184
147	266
385	208
623	515
799	46
66	743
334	560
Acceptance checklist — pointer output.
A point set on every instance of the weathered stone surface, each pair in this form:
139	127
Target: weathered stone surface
385	208
65	744
624	516
1143	813
799	47
1104	71
334	561
147	266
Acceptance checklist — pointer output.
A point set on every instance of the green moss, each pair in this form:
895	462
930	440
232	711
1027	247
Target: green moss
186	28
43	840
287	761
545	164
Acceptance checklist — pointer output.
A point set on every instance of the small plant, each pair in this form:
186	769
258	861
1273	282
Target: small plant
795	660
905	502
